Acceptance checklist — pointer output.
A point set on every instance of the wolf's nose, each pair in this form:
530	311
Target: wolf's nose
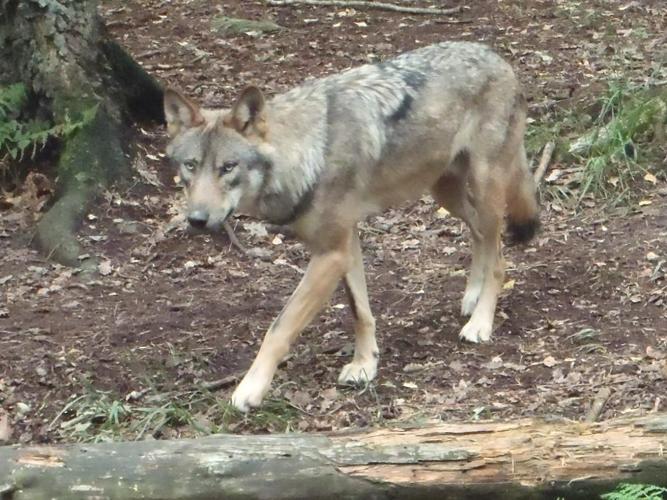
198	219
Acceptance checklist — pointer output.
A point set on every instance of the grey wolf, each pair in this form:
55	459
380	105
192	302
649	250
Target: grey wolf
447	118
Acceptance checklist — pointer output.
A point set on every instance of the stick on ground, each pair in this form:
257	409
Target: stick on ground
362	4
544	161
233	239
598	404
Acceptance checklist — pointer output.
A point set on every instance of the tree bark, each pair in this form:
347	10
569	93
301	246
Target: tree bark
60	51
527	459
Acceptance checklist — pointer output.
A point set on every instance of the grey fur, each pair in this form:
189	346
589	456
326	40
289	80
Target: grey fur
448	118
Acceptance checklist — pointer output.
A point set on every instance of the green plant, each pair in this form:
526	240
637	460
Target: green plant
19	134
625	491
618	148
97	415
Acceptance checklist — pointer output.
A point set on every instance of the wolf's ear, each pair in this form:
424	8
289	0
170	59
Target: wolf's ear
248	111
180	112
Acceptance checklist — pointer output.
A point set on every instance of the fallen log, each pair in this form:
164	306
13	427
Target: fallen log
526	459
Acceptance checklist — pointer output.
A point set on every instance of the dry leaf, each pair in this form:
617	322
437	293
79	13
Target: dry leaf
413	367
441	213
550	361
104	268
509	285
654	353
495	363
651	178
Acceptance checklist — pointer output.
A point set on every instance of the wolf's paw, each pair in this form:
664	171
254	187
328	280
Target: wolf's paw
470	298
476	330
249	393
358	372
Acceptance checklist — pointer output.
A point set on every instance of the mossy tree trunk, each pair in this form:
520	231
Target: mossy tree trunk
74	73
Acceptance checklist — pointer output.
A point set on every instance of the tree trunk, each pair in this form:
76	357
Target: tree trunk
59	50
527	459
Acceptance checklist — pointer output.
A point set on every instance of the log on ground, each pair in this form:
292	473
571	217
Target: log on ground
526	459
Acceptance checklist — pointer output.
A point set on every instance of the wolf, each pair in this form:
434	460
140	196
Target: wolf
447	119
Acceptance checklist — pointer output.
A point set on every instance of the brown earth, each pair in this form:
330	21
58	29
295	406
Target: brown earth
584	307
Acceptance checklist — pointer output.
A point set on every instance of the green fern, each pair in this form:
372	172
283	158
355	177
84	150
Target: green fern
625	491
19	136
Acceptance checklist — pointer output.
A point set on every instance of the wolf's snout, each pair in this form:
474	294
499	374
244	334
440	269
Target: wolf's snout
198	219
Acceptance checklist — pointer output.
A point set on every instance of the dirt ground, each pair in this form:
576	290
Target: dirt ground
585	305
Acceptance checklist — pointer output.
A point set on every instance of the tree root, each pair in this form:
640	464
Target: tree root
91	159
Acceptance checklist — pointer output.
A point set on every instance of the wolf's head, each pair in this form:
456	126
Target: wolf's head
218	154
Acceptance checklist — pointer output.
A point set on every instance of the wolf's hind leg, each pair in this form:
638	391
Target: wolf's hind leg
451	192
364	364
489	194
317	285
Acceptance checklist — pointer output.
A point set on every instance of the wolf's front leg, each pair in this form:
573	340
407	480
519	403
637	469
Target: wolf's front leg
364	365
315	289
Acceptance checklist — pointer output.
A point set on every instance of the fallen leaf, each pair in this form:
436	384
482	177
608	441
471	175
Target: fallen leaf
651	178
509	285
441	213
256	229
299	398
654	353
549	361
413	367
104	268
652	256
643	203
410	385
495	363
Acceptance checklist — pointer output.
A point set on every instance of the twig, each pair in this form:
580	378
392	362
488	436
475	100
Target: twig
544	161
454	21
362	4
598	404
233	239
214	385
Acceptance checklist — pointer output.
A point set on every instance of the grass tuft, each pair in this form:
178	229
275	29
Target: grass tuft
607	148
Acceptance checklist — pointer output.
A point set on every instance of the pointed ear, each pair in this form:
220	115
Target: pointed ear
248	111
180	112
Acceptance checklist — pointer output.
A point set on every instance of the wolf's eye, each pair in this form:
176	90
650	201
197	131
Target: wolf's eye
190	165
228	166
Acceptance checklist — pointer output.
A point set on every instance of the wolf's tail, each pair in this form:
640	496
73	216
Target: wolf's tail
523	211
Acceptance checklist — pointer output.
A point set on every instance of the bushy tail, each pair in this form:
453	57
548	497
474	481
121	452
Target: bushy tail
523	211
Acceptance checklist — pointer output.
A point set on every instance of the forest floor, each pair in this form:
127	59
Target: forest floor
129	351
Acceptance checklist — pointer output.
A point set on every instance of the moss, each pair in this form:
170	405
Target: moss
92	157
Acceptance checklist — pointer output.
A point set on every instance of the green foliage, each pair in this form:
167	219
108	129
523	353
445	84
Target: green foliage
626	491
19	135
98	415
618	148
607	147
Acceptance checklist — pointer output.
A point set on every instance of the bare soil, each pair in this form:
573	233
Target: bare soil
585	305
